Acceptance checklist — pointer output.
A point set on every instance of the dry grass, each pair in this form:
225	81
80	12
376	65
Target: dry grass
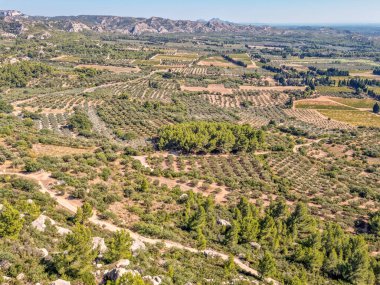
54	150
353	117
367	74
217	61
356	103
66	58
114	69
212	88
320	104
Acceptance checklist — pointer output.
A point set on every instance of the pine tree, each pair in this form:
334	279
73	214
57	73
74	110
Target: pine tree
201	240
77	255
267	265
229	267
232	235
249	225
78	218
119	246
374	223
301	223
10	222
356	269
87	211
376	108
198	220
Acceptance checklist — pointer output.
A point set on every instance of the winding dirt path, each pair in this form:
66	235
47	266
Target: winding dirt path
44	180
296	148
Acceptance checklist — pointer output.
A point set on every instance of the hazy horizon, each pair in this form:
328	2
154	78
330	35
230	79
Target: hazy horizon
271	12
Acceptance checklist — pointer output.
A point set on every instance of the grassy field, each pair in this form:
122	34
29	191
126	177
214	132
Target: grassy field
376	89
333	90
241	57
321	105
356	103
353	117
66	58
216	61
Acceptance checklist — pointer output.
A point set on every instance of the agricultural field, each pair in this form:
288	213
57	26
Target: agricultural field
217	61
353	117
244	58
352	111
173	157
356	103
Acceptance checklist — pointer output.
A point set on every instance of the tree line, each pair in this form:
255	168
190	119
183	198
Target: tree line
234	61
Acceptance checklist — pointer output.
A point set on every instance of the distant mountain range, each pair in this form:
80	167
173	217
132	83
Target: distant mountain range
15	22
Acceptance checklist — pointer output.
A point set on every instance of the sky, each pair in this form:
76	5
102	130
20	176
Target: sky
239	11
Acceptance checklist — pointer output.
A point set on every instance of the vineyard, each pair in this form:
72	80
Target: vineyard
244	98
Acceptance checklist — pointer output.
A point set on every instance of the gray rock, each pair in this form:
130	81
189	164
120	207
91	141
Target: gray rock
224	223
210	253
40	223
60	282
184	197
116	273
99	243
44	252
21	276
137	245
5	264
63	231
122	263
255	245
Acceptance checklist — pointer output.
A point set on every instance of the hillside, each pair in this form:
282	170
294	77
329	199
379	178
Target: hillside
161	152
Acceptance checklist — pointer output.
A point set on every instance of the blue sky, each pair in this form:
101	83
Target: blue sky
247	11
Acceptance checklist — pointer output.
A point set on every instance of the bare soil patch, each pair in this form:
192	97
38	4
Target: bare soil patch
215	61
54	150
270	88
212	88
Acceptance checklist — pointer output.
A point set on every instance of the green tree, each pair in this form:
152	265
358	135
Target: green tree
5	107
376	108
232	235
301	224
357	268
374	223
87	211
31	165
201	239
198	220
78	218
229	266
80	122
77	255
83	213
119	246
10	221
267	265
